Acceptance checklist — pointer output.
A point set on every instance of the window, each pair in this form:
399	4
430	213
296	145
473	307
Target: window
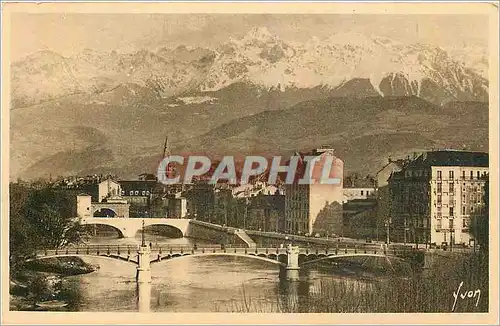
439	199
123	193
131	192
451	211
451	187
463	174
440	187
450	222
451	175
143	192
361	192
464	210
439	224
137	192
147	192
463	198
439	175
471	175
478	174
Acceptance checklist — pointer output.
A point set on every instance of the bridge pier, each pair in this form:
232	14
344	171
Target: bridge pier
143	274
144	297
292	267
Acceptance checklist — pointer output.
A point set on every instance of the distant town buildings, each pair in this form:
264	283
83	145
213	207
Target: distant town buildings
137	192
433	197
256	188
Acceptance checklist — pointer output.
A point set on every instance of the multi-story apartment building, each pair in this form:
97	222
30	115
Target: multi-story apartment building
434	196
314	207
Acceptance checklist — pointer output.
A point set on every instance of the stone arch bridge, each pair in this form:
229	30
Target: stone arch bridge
128	227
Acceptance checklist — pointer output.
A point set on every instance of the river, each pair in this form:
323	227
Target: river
193	284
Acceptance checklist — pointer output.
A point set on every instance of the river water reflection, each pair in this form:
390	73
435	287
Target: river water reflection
190	284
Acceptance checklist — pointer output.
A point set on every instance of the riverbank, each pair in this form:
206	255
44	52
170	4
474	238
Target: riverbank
432	291
37	285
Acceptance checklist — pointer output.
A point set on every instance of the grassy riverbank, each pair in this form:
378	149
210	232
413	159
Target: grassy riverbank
430	291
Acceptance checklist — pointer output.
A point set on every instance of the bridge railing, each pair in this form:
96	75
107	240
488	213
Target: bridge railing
124	250
103	249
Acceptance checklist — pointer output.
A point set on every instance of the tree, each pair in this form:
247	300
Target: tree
20	230
40	218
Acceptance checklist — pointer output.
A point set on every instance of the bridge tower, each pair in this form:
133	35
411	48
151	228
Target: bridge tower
292	267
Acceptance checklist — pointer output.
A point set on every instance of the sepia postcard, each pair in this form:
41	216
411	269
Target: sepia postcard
250	163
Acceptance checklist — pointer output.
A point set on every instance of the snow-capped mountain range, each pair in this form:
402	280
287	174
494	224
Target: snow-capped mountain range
264	60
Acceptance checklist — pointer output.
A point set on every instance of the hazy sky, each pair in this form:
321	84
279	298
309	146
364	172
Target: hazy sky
68	34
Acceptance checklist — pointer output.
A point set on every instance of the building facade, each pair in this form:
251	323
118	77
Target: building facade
433	198
312	208
108	188
111	207
357	193
266	213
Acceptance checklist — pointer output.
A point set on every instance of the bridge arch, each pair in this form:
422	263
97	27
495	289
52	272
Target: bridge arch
169	257
104	212
173	228
120	231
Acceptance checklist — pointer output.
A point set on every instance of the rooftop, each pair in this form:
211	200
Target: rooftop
451	158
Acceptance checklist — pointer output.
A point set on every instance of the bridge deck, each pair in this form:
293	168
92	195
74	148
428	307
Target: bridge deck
124	250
